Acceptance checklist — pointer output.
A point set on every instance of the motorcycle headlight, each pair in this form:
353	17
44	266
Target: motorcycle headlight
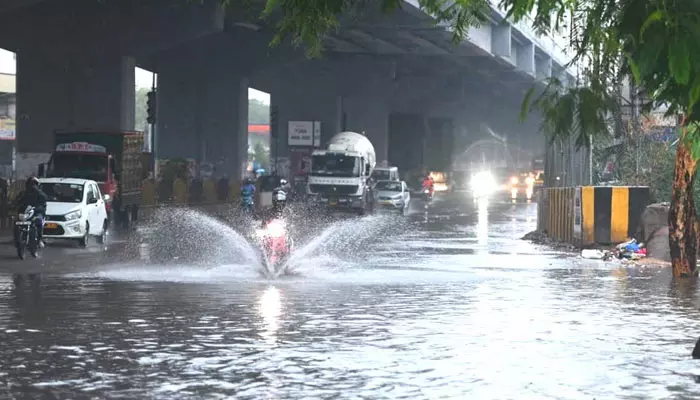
22	217
74	215
514	180
107	197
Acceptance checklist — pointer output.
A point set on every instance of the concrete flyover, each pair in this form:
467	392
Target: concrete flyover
379	74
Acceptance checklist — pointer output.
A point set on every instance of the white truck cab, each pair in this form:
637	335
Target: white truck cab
340	173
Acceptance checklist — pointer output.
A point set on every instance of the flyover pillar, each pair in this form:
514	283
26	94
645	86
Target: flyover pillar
71	92
302	103
367	114
203	115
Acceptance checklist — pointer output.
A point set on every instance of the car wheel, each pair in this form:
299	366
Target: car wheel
85	240
102	239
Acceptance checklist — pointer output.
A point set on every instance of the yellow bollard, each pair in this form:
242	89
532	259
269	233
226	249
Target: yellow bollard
209	187
149	193
180	191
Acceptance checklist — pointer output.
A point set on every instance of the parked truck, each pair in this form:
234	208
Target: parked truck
113	159
340	173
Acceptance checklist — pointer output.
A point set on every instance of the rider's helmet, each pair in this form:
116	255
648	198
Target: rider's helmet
31	182
283	181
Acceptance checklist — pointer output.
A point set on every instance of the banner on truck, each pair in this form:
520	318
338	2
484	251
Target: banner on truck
300	133
317	133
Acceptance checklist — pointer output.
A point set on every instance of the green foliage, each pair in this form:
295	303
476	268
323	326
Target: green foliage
258	112
140	110
261	154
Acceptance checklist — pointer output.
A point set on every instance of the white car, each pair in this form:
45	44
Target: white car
75	210
393	195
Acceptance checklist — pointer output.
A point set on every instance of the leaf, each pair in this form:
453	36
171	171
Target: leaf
653	17
525	106
679	62
634	68
694	94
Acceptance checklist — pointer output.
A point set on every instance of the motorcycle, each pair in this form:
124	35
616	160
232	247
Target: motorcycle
248	205
276	246
26	233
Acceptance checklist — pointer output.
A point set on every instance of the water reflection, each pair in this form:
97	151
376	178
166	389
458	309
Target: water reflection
482	226
270	309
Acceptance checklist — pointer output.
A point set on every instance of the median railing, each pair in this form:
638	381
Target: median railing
588	215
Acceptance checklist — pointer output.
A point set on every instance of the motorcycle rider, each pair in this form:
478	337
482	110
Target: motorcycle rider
280	196
35	197
248	195
429	183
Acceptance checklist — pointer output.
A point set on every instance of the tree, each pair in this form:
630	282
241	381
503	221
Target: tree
258	112
140	116
261	154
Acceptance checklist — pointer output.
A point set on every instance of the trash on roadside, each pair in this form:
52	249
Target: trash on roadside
629	250
595	254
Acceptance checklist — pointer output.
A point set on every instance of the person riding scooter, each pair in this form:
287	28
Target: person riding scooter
428	184
35	197
248	196
280	195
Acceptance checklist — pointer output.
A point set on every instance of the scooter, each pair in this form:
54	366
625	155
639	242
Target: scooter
275	245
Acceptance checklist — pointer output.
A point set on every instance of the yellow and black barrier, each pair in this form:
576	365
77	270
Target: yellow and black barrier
611	214
591	214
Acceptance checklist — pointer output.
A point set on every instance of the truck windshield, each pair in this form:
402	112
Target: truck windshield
335	165
81	166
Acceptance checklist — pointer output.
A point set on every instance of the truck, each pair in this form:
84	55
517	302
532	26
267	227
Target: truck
340	173
113	159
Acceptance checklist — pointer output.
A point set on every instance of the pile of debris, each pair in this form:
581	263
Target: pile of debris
629	250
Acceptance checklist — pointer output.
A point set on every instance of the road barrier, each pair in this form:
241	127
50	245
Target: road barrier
589	215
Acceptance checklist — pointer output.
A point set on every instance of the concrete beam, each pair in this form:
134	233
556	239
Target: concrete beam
124	27
501	37
543	68
526	59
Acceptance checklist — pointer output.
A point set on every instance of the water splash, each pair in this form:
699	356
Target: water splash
194	237
342	244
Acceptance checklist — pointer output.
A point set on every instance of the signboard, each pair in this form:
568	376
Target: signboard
7	129
300	133
578	231
81	147
317	133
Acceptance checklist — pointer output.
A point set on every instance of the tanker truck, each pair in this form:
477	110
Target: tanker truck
339	176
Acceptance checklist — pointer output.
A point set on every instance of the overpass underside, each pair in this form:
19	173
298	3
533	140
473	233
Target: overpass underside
397	78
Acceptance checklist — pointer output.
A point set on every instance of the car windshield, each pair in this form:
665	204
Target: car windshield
335	164
63	192
389	186
81	166
381	175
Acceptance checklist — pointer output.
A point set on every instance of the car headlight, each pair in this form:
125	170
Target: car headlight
74	215
396	197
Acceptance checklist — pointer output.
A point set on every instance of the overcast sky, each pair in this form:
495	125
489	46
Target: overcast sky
143	77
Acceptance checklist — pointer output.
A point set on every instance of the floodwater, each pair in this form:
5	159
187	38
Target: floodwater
449	305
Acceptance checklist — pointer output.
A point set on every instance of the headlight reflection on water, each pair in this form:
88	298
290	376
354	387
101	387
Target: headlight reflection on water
482	226
270	309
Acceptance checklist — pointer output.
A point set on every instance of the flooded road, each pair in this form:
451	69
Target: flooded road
446	305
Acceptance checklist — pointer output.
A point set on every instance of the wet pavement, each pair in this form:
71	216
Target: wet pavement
448	304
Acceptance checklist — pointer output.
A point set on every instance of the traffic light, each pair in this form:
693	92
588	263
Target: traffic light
151	107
